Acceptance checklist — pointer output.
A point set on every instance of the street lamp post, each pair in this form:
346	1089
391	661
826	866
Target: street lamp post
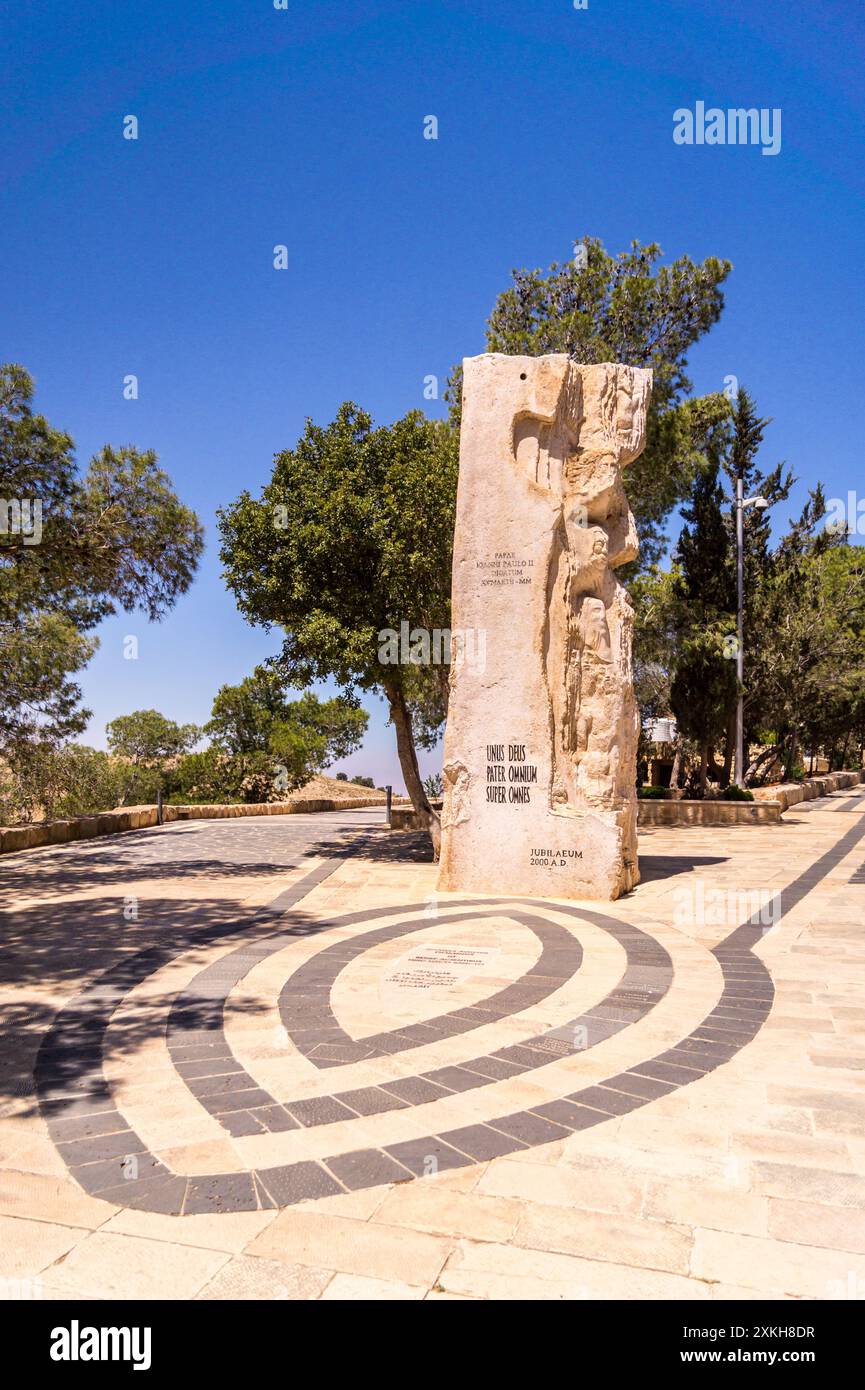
741	503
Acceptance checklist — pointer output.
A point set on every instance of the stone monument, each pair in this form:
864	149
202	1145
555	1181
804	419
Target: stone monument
540	748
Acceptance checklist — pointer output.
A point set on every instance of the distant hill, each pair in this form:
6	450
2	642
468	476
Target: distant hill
323	786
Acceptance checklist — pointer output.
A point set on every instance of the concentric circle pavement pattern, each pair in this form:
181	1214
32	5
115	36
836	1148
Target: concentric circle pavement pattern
395	1115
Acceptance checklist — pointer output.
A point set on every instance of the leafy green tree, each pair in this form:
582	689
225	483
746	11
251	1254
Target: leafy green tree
243	715
249	717
114	536
807	672
39	651
654	596
303	736
212	775
146	746
263	744
353	536
624	309
46	780
702	617
147	738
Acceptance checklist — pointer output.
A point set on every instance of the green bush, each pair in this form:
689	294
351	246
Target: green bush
187	799
735	793
47	782
653	793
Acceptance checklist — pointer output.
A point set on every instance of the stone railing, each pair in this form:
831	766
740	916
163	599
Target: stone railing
60	832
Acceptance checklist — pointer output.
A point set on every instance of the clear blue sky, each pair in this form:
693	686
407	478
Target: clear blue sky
304	126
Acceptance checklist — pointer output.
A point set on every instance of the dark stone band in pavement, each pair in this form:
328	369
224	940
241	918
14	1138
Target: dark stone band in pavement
229	1093
309	1020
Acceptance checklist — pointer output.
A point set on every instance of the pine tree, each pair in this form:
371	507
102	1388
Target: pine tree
704	683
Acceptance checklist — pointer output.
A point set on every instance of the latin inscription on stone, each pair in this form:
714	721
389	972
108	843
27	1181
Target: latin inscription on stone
505	570
510	777
554	858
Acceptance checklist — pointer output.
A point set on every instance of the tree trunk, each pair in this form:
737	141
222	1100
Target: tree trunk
399	713
791	755
677	764
758	764
704	765
729	748
843	762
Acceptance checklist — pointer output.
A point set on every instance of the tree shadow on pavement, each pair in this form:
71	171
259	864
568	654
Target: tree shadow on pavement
52	951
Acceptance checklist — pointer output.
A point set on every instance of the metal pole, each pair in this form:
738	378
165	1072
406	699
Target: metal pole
739	771
159	807
389	791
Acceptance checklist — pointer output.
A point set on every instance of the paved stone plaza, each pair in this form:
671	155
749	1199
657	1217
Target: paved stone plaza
263	1058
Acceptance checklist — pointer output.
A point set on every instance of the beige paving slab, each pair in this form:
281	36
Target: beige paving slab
29	1248
229	1231
303	1236
809	1184
425	1206
350	1287
812	1223
45	1198
494	1271
598	1190
600	1236
694	1204
248	1278
117	1266
764	1263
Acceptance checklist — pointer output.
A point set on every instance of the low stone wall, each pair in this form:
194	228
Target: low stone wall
405	817
269	808
708	812
790	793
58	832
767	808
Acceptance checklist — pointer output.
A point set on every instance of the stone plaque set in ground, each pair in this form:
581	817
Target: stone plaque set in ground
540	748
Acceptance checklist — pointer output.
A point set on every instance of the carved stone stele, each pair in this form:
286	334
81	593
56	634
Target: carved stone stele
540	748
